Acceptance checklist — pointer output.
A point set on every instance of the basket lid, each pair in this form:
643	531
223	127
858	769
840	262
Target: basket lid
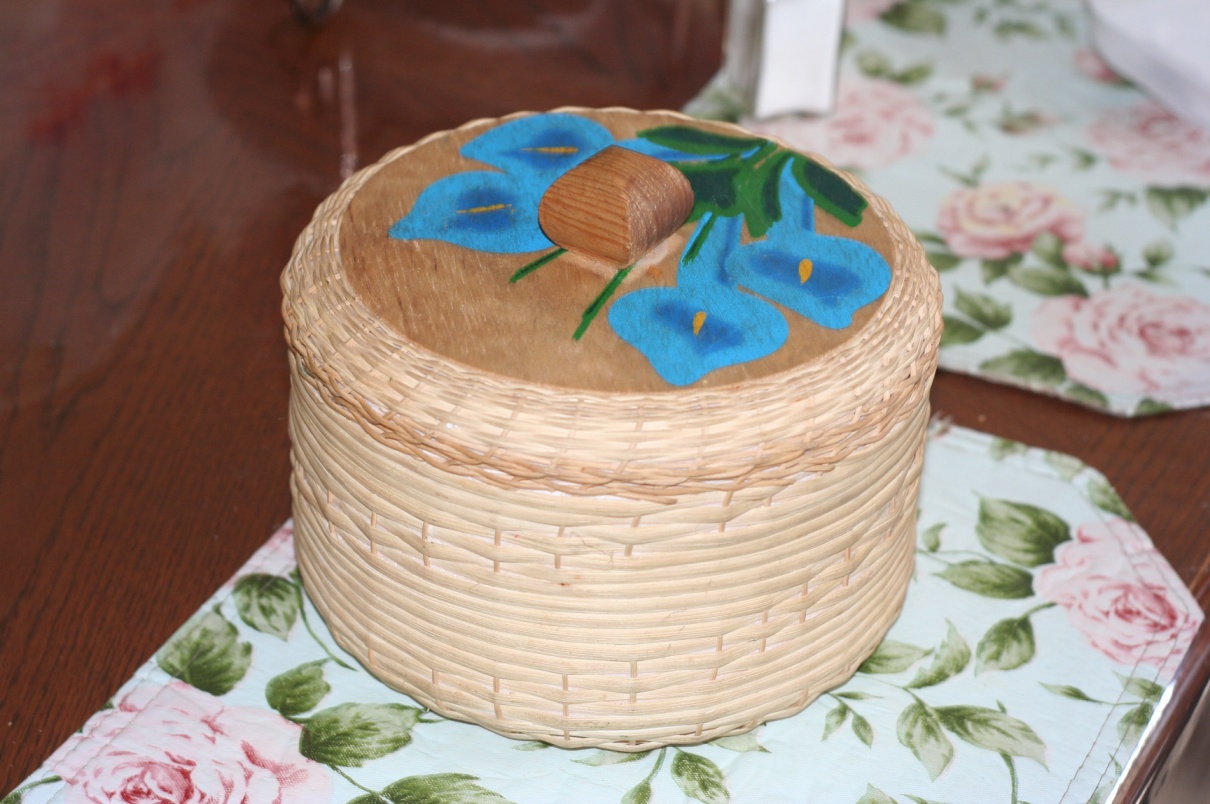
759	260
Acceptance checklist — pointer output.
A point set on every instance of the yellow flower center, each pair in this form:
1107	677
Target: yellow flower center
699	319
804	270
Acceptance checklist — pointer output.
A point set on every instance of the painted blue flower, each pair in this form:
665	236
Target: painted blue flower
705	322
825	279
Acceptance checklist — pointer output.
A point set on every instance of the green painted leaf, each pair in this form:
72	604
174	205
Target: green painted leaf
714	186
993	730
1022	533
875	796
435	788
995	269
1134	722
1028	365
699	778
915	16
350	734
1047	281
639	794
893	657
990	579
828	190
943	260
1085	395
1006	646
956	331
698	141
930	539
1068	691
299	690
834	720
1104	496
1143	688
1170	205
743	743
1147	407
268	603
920	731
948	661
984	309
600	756
863	730
206	653
1003	447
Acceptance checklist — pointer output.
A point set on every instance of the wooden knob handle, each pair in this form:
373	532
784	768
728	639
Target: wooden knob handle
616	206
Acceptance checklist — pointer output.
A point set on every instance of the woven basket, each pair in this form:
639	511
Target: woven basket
616	570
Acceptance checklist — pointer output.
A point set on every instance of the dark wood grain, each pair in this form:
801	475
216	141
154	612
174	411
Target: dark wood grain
156	162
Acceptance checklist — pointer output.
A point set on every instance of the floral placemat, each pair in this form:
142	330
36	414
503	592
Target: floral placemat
1039	634
1066	212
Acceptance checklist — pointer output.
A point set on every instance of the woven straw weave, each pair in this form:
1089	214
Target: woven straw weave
602	569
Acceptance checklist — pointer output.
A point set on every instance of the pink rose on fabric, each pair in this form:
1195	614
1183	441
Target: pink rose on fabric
876	123
1149	141
1127	340
1091	258
1090	63
177	745
994	221
1122	595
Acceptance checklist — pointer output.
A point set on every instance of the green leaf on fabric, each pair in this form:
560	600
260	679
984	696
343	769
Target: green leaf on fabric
1065	466
532	745
1068	691
743	743
1158	253
639	794
873	63
873	795
1047	281
943	260
835	718
993	730
892	657
1171	205
984	309
920	731
1104	497
206	653
600	756
435	788
1148	407
856	696
913	74
690	140
948	661
1085	395
298	690
995	269
12	798
1048	247
915	16
919	800
863	730
268	603
1134	722
1006	29
1006	646
956	331
699	778
1022	533
1028	365
828	190
990	579
351	734
1143	688
930	539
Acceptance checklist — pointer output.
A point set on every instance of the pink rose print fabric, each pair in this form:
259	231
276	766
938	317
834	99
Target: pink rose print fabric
176	745
876	124
1122	596
1129	340
995	221
1152	143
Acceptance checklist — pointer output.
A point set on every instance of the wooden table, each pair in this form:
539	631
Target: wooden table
157	161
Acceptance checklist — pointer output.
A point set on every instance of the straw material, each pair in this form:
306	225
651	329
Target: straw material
602	569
